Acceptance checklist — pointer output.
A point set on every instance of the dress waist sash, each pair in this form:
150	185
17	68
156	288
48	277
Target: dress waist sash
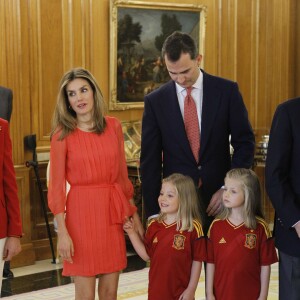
119	206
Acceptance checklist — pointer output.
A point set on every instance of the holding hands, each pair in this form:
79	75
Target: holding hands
134	225
128	225
134	228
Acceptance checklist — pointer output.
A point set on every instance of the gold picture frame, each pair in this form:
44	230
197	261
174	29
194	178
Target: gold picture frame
132	140
137	31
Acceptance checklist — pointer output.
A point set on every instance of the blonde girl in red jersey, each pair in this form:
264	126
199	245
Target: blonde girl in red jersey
240	246
174	242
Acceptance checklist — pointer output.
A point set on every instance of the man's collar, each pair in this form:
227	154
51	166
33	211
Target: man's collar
198	84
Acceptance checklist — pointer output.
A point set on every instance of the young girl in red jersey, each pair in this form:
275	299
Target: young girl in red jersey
174	242
240	248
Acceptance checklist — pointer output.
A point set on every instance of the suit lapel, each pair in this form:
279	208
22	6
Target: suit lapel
211	102
177	120
210	105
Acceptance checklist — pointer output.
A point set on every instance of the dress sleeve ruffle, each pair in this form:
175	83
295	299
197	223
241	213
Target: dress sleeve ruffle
120	207
57	175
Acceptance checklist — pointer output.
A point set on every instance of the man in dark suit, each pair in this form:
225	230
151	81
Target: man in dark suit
5	103
10	232
283	188
221	112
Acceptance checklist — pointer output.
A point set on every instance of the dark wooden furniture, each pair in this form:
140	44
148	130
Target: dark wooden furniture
134	176
268	209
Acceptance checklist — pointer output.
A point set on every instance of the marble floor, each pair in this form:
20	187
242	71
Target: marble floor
44	274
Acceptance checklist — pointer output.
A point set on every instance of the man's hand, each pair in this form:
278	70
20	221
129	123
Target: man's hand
297	227
215	204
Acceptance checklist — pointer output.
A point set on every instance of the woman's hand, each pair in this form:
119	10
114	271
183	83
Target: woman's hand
128	225
65	246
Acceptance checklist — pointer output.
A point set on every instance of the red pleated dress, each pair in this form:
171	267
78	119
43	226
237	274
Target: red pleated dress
98	200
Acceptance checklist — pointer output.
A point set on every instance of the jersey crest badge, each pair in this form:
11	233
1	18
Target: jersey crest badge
250	242
178	242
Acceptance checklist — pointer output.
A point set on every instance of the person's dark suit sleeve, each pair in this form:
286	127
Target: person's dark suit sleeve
6	97
278	169
151	160
9	100
242	137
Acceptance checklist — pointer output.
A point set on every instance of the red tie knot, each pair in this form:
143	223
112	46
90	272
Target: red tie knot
189	90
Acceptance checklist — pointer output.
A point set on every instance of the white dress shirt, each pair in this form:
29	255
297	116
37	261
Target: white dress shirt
197	94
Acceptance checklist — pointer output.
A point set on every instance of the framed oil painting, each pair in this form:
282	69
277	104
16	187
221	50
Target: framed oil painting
137	32
132	140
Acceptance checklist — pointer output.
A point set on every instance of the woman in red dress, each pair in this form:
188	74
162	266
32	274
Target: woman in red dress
87	151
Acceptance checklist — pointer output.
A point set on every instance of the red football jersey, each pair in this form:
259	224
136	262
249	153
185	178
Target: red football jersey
238	254
171	255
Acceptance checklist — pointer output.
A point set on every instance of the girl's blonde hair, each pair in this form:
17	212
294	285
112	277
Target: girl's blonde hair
64	118
252	194
188	210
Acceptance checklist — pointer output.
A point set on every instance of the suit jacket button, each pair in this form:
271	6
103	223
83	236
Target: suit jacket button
199	167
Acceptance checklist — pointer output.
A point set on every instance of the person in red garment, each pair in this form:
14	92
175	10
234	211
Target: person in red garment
174	242
87	151
6	106
240	248
10	217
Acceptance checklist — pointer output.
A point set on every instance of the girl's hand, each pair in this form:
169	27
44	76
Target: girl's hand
65	246
138	225
128	225
188	294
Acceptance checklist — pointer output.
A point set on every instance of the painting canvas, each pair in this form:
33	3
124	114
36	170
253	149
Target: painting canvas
137	35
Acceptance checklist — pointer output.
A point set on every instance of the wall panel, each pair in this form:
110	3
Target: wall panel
297	47
245	66
46	67
251	41
28	254
254	42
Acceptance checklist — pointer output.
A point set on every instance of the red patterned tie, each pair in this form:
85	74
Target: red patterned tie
191	123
